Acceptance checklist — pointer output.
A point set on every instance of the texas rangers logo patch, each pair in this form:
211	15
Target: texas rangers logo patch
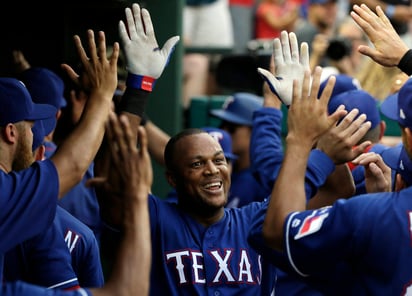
311	224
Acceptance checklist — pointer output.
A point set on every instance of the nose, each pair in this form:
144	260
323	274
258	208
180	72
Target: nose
211	168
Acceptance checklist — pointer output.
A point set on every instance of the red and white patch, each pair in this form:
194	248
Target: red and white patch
311	224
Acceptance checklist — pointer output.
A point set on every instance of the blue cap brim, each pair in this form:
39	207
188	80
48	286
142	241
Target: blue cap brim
42	111
389	107
230	117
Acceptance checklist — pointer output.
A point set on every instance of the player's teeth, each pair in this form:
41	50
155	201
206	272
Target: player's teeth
212	184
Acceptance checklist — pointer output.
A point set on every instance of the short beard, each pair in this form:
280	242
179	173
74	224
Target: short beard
24	156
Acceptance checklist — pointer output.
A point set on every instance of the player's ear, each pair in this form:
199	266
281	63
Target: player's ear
171	179
39	153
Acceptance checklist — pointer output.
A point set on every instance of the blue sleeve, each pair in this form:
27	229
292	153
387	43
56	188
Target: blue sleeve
319	167
266	150
21	288
28	202
266	154
48	260
84	249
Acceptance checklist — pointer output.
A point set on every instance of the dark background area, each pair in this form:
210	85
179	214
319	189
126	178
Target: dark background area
43	30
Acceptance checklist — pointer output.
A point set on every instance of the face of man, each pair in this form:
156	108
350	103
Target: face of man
24	155
324	15
201	176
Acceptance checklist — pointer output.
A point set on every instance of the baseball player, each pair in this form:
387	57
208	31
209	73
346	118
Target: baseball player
199	247
68	246
374	225
29	196
131	275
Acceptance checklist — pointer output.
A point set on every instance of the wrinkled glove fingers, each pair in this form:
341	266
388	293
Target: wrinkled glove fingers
148	24
138	22
284	40
277	52
294	47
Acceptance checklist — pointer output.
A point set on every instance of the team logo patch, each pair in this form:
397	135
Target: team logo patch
311	224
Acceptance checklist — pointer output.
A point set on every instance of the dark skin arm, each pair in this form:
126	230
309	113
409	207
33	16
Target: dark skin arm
77	151
131	271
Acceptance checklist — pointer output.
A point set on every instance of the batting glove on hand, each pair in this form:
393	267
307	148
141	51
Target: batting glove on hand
289	66
145	60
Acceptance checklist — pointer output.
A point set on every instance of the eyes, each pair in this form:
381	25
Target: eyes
219	160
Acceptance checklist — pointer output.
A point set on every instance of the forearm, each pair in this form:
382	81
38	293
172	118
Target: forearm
157	141
288	193
131	271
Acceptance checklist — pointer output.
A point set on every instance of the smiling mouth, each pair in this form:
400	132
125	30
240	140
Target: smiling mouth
213	185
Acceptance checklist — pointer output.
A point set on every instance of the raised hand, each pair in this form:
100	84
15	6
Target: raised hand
98	71
143	55
378	176
389	47
290	65
339	142
308	118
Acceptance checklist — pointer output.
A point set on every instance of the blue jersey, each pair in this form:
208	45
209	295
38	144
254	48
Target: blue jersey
25	289
266	157
42	260
267	154
190	259
81	202
28	202
83	248
369	234
244	189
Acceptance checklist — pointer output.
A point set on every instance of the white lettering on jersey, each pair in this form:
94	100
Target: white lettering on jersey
244	267
197	266
179	264
71	240
222	266
223	273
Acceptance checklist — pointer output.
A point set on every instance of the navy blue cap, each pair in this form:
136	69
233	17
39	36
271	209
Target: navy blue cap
399	105
45	86
359	99
343	83
398	160
42	128
17	105
239	108
224	139
389	106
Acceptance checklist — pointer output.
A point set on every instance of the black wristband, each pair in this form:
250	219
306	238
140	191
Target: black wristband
133	101
405	64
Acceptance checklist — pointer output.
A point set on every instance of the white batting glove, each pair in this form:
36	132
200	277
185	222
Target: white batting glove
145	60
289	66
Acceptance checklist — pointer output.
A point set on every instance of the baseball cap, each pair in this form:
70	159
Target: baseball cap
239	108
17	105
359	99
398	160
343	83
404	114
42	128
224	139
398	106
45	86
389	106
